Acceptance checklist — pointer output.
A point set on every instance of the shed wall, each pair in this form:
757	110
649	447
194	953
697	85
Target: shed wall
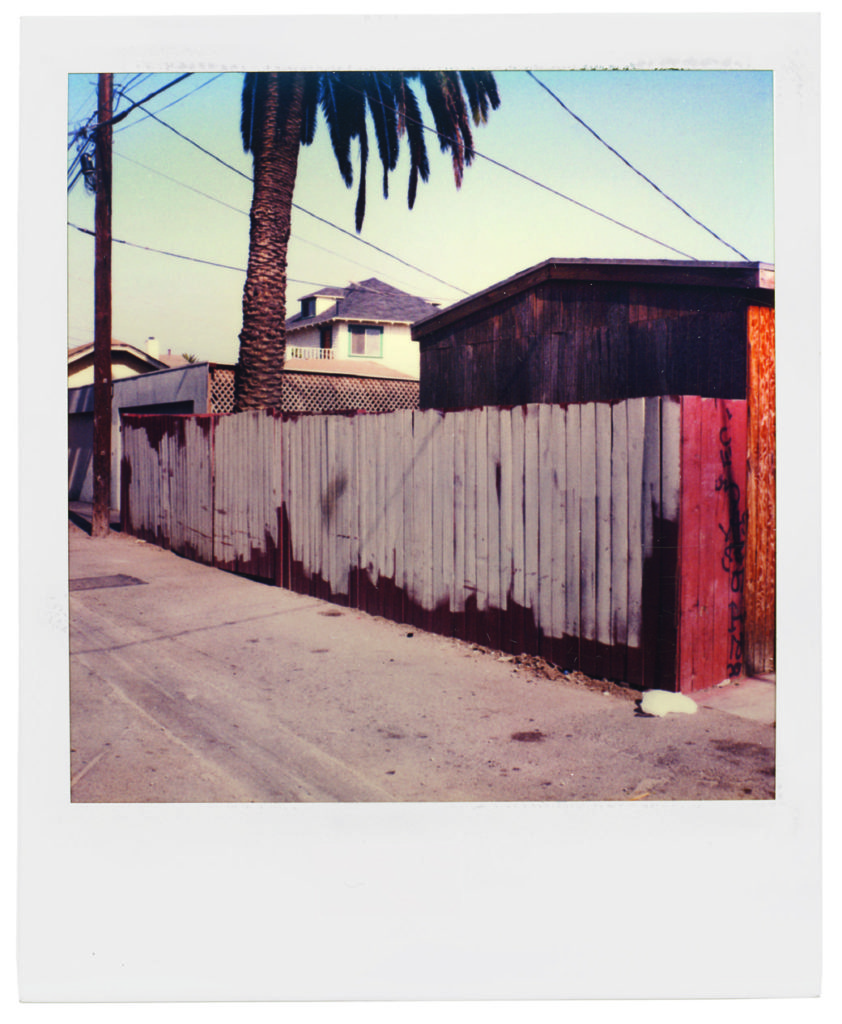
579	341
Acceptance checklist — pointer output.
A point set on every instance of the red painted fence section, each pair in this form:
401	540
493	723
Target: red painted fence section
712	552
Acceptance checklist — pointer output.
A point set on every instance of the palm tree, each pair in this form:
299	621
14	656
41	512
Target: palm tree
279	115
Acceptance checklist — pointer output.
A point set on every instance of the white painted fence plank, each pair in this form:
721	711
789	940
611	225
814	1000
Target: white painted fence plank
407	491
493	426
482	512
444	499
547	494
670	458
460	421
531	509
560	525
518	483
620	524
472	417
343	476
603	522
587	524
573	521
651	489
429	551
636	412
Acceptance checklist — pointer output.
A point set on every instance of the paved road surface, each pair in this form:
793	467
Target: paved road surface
194	685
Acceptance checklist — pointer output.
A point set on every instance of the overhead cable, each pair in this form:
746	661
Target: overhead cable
547	188
309	213
238	209
631	166
179	99
125	113
86	132
191	259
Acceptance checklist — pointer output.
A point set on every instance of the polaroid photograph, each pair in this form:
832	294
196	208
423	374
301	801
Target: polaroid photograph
425	608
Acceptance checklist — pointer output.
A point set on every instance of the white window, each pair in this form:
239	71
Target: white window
366	341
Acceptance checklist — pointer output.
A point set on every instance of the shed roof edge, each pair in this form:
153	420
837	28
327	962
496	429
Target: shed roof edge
718	274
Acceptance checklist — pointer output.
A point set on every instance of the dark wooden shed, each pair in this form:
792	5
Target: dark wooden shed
578	331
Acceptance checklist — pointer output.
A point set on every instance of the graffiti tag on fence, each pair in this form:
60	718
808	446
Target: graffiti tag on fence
733	553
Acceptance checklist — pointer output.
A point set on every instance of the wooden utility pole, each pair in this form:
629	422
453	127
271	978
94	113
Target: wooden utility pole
101	519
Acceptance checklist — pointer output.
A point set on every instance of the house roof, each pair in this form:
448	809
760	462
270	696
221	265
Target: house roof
698	273
81	352
345	368
367	301
160	362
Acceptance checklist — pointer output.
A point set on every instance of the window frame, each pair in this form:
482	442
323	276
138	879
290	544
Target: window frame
367	331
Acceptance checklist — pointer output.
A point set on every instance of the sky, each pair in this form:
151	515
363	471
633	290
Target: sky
704	137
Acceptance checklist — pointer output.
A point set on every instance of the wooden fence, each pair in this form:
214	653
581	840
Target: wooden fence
606	537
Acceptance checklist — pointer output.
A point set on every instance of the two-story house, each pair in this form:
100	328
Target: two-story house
365	322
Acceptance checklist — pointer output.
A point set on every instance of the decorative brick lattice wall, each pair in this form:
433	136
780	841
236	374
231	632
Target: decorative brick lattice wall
316	392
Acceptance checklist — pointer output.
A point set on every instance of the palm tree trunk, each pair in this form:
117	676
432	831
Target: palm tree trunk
277	139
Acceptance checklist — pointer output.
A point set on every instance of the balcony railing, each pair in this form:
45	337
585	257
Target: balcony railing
306	352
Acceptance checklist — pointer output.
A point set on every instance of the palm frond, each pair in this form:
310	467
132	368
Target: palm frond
488	88
418	163
248	109
347	97
481	91
444	96
360	210
309	114
432	83
339	113
455	100
381	103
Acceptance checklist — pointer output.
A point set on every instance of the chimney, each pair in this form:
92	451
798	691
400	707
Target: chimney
152	347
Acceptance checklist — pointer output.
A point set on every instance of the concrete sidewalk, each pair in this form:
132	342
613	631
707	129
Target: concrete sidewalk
189	684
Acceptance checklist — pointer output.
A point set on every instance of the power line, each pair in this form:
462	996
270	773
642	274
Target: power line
244	213
584	206
546	188
179	99
183	184
136	80
86	132
309	213
236	209
120	117
190	259
631	166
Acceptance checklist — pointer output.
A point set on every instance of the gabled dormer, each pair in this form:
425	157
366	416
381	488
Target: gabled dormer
319	302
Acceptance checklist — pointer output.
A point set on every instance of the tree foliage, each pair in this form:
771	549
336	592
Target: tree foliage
457	99
280	112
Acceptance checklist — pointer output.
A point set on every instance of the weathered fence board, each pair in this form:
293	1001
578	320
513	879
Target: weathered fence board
607	537
560	526
572	565
760	483
533	622
167	482
246	487
547	505
617	558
